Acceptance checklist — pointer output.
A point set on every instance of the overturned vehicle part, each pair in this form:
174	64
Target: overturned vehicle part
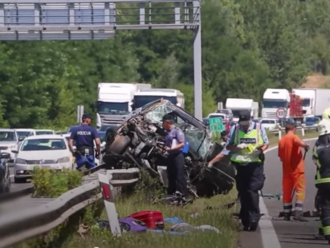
139	142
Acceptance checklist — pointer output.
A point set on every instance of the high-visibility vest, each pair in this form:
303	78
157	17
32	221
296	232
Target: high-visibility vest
321	157
253	139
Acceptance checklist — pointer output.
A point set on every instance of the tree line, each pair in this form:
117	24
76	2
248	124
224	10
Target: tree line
247	46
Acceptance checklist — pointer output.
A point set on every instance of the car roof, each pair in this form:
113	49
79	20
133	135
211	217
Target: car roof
7	129
44	130
45	136
24	129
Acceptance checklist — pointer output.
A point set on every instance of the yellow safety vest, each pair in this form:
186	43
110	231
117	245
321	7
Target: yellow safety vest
319	178
253	139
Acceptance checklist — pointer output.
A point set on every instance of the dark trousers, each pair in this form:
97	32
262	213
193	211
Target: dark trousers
249	180
176	174
324	194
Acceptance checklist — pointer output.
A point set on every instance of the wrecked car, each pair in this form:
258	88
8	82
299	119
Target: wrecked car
139	142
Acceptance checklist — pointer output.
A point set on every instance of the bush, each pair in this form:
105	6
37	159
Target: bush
53	183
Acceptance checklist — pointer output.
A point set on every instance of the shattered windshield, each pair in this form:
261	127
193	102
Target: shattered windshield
193	135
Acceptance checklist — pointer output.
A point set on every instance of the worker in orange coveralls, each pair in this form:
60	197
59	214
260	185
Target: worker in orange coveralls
290	153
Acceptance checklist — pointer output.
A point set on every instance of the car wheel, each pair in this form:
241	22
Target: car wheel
120	144
19	180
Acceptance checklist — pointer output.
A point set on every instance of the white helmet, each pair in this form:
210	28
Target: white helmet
326	114
324	127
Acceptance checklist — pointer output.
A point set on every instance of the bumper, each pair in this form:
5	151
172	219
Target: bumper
25	170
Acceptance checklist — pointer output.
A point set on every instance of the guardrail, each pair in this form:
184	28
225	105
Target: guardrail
302	129
32	222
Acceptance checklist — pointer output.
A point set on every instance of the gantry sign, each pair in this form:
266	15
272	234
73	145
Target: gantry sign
99	20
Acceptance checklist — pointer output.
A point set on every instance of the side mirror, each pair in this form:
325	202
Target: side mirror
14	151
5	155
21	138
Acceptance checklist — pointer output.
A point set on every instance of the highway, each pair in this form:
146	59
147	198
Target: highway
17	186
279	233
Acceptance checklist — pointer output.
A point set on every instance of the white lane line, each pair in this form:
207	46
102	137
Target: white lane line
269	237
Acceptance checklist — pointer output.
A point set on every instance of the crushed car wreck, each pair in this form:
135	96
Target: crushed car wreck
139	142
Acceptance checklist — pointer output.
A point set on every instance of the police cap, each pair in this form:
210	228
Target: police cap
87	116
244	116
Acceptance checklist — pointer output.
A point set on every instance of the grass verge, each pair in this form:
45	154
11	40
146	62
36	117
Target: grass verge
194	214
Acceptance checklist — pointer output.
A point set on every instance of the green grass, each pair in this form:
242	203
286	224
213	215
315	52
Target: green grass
273	139
219	218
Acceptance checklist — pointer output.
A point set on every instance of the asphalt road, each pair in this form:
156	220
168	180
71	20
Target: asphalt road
279	233
17	186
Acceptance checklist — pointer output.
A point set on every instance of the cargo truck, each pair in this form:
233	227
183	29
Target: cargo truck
314	100
274	99
238	104
115	102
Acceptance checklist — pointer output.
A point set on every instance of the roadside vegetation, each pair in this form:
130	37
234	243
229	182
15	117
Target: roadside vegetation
248	46
201	212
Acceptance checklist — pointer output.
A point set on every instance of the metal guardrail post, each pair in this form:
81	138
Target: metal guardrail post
109	202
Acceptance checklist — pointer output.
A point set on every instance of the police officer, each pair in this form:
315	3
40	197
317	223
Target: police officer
224	136
321	157
247	142
84	135
174	142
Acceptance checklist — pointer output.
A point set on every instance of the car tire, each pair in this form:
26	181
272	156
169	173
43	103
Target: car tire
120	144
19	180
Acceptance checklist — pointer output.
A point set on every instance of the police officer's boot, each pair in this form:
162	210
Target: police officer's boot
299	216
287	216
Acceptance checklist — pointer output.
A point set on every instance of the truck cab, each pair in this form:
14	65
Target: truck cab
272	100
145	96
115	102
237	104
308	98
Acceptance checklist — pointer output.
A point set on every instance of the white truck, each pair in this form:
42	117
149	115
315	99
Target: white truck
255	110
272	100
145	96
238	104
115	101
314	100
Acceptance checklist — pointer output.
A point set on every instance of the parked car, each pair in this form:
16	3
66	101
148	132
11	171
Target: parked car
269	124
44	131
24	132
225	118
139	141
311	121
46	151
227	112
9	141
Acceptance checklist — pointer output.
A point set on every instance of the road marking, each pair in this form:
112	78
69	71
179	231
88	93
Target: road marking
269	237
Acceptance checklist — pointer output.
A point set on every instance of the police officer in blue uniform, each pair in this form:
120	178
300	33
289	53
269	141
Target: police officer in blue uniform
247	141
84	135
174	142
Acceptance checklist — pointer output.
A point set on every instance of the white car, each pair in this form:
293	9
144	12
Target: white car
8	141
46	151
269	124
44	131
